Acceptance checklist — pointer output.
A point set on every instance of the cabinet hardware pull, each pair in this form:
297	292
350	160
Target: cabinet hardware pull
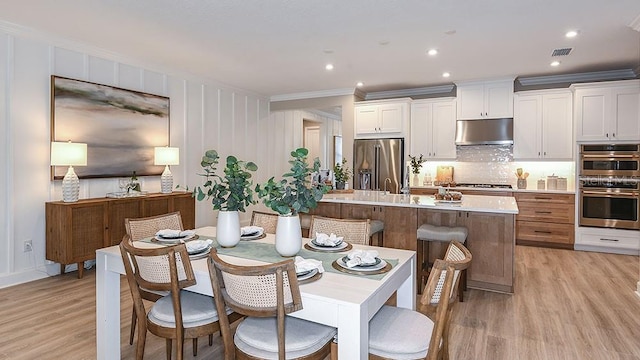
607	134
543	212
613	135
605	239
542	232
542	198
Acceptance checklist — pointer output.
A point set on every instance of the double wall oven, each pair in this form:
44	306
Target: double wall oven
609	180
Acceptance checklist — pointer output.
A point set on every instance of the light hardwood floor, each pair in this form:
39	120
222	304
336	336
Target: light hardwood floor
567	305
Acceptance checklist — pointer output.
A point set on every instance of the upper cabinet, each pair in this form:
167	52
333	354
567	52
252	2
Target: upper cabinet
543	126
485	100
383	118
607	111
433	128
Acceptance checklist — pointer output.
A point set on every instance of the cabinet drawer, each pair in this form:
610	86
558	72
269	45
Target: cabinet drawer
549	213
545	232
611	241
545	198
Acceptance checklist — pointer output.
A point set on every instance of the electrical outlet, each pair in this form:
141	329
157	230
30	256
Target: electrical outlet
28	246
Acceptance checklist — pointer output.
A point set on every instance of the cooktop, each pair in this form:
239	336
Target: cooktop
486	186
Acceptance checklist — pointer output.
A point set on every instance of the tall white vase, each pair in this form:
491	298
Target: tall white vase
228	228
288	235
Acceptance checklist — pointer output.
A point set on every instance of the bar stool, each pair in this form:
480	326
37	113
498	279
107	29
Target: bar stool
377	229
428	233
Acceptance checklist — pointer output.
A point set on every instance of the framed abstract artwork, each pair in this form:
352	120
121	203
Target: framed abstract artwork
120	127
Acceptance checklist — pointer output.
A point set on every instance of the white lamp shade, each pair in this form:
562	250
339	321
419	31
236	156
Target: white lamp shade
68	154
166	156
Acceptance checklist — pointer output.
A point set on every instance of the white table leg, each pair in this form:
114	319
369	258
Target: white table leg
407	291
353	333
107	310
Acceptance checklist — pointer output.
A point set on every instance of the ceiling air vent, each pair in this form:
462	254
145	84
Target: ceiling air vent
561	52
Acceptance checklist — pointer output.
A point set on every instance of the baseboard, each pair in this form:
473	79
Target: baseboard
23	277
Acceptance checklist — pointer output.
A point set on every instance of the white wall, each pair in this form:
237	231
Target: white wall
204	115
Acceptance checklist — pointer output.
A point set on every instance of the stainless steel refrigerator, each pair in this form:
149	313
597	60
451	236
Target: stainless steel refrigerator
375	160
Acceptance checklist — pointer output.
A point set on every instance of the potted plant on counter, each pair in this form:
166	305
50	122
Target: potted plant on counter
229	194
341	173
416	164
289	197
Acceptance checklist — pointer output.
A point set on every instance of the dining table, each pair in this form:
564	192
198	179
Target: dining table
346	301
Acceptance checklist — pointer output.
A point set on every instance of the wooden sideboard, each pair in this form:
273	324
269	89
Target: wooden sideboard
74	231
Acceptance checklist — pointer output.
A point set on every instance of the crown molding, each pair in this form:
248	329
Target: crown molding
429	90
313	94
579	77
635	23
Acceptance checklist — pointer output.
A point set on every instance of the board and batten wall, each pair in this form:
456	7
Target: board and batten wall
204	115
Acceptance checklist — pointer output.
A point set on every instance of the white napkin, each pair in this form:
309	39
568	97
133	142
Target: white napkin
303	265
175	233
361	257
196	246
328	240
250	230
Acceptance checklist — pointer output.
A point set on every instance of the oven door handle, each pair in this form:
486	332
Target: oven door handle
609	194
609	156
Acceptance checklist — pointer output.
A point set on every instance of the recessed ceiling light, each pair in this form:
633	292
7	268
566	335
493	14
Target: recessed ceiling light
571	34
432	52
445	74
555	63
329	67
360	84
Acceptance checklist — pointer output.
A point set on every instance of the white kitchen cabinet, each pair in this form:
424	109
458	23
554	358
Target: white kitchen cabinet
607	111
608	240
543	125
433	128
485	100
384	118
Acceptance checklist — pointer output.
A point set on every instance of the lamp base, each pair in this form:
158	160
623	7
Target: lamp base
166	181
70	186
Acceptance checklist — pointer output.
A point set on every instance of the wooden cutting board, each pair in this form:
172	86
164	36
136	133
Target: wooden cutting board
444	174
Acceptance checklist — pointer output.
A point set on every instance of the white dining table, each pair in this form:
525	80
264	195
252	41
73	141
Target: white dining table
344	301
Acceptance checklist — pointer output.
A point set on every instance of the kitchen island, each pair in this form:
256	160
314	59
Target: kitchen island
490	220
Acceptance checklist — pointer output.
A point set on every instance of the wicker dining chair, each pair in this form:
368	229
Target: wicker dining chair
353	231
265	294
398	333
267	221
178	315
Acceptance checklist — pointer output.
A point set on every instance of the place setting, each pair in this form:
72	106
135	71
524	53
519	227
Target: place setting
362	262
328	243
198	249
252	233
308	270
169	236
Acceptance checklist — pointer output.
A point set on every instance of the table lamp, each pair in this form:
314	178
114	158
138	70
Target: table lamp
69	154
166	156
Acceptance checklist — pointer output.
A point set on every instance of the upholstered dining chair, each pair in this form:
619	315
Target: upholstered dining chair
353	231
178	315
267	221
265	294
141	228
398	333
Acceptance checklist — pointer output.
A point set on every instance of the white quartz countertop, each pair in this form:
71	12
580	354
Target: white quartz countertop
475	203
462	189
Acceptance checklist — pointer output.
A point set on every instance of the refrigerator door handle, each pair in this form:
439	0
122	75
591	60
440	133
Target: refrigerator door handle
377	166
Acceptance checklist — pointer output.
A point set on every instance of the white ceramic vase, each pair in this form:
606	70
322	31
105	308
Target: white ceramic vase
228	228
416	180
288	235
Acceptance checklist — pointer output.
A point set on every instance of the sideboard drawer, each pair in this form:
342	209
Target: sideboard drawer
551	212
545	232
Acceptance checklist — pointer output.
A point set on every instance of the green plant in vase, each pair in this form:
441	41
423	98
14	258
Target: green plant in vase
290	196
416	164
341	173
229	193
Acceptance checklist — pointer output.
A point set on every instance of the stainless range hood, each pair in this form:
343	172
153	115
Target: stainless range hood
484	132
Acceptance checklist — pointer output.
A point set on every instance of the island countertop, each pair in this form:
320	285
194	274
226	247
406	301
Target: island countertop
473	203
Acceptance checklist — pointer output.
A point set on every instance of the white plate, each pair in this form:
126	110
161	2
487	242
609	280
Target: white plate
174	239
251	237
342	245
196	246
381	265
308	275
200	255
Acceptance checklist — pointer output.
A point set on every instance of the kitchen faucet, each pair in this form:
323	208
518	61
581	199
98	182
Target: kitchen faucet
385	186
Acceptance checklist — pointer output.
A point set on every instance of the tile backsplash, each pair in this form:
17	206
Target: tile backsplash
494	164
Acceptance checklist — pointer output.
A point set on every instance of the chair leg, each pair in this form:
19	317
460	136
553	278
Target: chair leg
168	346
333	355
195	346
462	285
211	338
134	318
142	337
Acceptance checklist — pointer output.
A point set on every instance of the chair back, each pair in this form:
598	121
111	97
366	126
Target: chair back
354	231
267	221
140	228
261	291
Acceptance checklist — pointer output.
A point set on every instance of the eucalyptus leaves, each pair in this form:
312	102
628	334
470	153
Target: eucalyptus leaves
231	192
416	163
294	195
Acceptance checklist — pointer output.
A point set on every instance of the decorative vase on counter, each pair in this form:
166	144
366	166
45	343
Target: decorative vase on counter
228	228
288	235
339	185
522	183
416	180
